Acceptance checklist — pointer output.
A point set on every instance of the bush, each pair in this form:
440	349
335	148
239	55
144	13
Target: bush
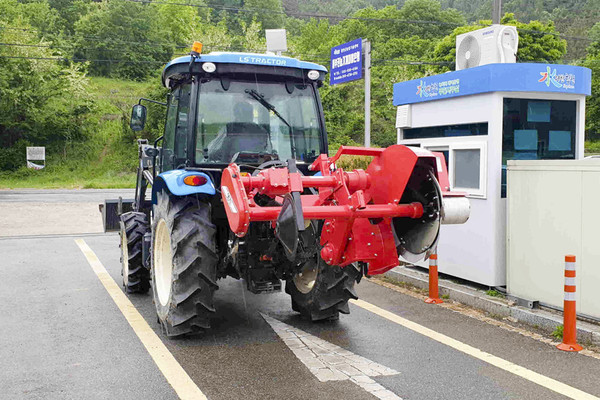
350	163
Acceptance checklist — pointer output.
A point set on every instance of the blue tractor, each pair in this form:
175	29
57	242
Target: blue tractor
235	121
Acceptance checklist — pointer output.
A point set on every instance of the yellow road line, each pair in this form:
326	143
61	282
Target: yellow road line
523	372
185	388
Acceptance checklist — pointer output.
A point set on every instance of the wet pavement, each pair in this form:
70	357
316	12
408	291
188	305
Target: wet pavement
63	337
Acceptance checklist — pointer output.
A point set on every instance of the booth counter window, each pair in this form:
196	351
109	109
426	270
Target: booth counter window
537	130
467	166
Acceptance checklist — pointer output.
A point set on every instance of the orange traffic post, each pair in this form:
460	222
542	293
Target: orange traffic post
434	296
569	342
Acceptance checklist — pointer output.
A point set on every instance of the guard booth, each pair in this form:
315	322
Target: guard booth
479	118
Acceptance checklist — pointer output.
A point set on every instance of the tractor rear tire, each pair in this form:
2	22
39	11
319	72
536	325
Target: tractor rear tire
184	264
136	278
320	291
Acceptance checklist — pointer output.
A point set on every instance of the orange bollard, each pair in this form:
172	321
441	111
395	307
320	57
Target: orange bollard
569	342
434	296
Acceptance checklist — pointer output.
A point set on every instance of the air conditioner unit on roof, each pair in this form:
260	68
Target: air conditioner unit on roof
494	44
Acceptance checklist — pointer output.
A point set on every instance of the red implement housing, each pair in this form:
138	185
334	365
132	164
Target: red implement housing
357	206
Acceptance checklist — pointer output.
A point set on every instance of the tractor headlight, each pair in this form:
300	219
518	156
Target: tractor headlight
313	74
209	67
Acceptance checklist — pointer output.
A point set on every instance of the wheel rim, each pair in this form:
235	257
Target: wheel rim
125	258
306	278
163	262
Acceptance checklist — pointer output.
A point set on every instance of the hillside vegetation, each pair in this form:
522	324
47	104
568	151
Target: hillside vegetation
70	70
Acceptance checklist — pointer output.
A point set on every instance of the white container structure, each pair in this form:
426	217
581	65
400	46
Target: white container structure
480	118
553	211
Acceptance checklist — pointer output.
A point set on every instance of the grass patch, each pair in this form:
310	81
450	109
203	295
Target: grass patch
445	296
558	332
401	284
494	293
106	159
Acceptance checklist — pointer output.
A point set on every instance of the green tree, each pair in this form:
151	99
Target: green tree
180	25
268	12
125	38
42	100
396	40
592	61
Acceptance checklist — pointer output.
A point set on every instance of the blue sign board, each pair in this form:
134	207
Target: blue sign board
346	62
516	77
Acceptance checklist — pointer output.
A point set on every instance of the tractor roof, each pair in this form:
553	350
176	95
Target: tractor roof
250	59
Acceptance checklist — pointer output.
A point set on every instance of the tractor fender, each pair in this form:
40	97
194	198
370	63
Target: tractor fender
173	181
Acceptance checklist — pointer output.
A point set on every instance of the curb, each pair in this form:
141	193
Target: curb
542	319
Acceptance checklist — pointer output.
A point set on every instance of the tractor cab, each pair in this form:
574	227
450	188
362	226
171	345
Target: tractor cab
242	108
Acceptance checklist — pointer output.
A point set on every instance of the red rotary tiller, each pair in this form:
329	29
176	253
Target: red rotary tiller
394	207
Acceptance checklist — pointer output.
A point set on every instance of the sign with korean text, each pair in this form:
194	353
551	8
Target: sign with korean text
510	77
346	62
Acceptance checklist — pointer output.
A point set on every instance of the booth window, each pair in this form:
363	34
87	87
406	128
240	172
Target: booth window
537	130
466	166
446	131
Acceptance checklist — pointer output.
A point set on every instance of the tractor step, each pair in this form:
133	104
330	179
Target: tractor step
265	287
146	243
263	281
111	209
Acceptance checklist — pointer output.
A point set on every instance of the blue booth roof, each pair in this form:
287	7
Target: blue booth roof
520	77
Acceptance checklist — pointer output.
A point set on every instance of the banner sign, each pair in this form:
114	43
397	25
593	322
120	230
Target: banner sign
346	62
519	77
34	165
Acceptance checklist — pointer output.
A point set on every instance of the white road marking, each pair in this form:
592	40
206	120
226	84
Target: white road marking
329	362
181	382
508	366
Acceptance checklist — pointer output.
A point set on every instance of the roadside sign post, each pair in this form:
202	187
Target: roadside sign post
347	65
36	154
367	51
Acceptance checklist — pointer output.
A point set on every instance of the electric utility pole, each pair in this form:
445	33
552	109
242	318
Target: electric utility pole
496	11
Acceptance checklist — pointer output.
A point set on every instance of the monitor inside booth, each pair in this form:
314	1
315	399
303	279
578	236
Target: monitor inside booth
534	129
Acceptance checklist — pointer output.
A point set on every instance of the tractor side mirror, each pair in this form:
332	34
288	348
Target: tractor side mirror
138	117
151	152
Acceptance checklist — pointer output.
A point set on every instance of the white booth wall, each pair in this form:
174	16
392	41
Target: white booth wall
476	251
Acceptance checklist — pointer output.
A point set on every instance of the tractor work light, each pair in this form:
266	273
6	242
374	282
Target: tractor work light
196	48
209	67
313	75
195	180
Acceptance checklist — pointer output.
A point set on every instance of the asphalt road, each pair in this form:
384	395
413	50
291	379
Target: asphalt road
63	336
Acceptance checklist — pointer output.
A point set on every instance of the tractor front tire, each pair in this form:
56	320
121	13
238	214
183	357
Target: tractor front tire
136	278
320	291
184	264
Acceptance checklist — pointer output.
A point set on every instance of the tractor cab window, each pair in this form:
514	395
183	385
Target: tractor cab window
176	128
257	120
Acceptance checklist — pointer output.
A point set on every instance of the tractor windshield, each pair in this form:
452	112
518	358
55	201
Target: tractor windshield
257	119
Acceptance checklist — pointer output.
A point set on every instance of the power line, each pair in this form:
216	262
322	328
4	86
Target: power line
85	60
555	34
318	16
378	61
333	16
98	38
305	15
